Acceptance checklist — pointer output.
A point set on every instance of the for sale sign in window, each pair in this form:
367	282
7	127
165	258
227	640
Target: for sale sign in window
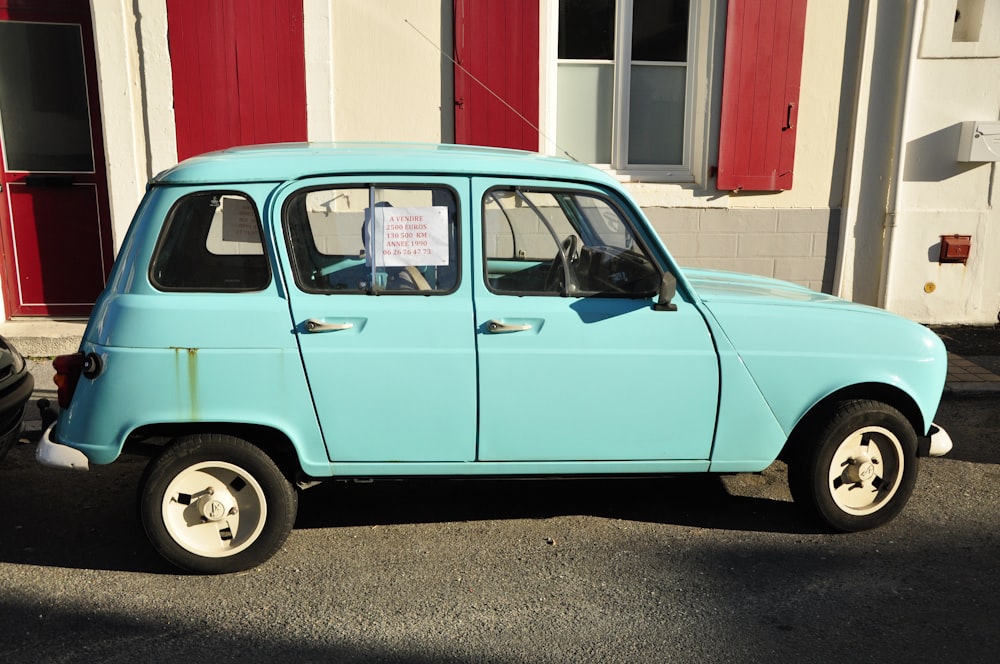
411	236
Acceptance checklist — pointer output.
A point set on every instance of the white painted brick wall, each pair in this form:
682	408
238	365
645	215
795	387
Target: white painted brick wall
784	244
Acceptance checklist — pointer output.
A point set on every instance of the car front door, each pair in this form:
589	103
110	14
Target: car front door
575	362
381	308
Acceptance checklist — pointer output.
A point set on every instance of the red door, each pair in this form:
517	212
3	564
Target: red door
496	73
239	73
54	217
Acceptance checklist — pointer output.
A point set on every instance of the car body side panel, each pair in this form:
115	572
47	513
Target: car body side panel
748	438
187	388
798	355
517	468
184	357
786	348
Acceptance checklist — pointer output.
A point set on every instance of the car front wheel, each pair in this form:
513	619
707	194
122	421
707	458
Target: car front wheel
215	504
857	471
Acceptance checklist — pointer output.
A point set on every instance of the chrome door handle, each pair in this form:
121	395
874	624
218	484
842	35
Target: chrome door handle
313	325
496	327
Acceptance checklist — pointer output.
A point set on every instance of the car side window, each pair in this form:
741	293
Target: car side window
374	240
549	242
211	242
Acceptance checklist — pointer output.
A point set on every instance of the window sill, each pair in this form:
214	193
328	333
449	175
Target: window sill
654	176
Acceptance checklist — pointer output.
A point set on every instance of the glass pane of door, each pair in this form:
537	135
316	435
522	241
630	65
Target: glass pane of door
44	114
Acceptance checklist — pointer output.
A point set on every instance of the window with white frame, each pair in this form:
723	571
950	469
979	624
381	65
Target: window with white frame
622	83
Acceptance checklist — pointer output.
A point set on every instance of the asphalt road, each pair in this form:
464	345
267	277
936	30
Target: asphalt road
650	570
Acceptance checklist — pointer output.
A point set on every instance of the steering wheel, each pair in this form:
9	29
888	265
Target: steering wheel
567	255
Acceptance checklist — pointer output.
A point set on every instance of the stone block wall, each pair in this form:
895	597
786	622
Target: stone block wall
798	245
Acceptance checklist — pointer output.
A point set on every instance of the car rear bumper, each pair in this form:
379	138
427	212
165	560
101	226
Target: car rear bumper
57	455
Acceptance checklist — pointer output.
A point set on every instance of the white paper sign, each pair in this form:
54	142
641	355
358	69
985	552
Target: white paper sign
238	221
411	236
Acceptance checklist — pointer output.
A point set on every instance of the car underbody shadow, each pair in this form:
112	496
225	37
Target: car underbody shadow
89	520
704	501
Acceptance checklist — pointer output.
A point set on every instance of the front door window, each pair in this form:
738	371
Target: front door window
562	243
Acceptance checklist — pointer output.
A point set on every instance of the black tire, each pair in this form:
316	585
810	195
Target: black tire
214	504
857	470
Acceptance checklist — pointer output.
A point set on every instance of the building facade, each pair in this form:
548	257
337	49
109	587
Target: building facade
844	145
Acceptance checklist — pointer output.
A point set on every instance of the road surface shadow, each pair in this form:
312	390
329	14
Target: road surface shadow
83	520
89	520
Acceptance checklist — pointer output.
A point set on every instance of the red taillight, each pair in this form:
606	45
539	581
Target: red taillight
68	369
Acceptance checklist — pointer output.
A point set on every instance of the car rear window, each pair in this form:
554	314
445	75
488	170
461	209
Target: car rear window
211	242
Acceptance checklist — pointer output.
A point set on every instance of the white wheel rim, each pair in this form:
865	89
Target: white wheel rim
214	509
866	470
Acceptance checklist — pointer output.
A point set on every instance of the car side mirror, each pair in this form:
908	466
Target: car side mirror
668	289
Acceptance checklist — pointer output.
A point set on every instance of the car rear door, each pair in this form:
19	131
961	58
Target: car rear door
381	306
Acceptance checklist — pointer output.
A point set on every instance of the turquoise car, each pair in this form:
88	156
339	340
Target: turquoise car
281	315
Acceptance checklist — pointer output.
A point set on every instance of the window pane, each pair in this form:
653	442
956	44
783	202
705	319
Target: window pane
211	242
43	98
339	244
659	30
609	262
586	29
514	227
562	243
656	115
521	233
585	94
604	225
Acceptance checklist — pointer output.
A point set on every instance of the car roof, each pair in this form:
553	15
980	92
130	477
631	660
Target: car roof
280	162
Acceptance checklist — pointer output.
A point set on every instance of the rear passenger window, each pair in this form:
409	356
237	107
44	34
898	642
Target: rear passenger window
374	240
211	242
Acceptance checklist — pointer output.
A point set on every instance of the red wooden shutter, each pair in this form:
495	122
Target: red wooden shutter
760	94
496	41
238	73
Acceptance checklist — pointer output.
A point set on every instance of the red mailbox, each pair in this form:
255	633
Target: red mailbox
955	249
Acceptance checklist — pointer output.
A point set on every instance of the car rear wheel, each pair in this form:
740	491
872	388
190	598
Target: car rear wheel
215	504
857	471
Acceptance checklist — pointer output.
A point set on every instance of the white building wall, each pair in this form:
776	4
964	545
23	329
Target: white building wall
390	82
134	79
318	26
788	235
876	181
937	194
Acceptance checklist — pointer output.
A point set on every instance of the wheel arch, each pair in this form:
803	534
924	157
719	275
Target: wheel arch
881	392
150	439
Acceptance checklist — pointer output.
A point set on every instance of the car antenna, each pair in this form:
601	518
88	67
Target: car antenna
487	88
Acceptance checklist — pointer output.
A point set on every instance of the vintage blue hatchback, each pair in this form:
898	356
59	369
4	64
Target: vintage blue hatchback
280	315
